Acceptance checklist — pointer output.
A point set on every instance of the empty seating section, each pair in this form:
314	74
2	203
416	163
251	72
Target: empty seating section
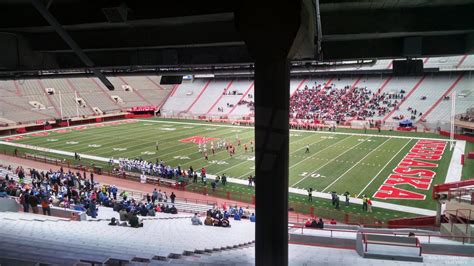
148	88
69	241
464	100
232	97
432	87
210	96
59	85
85	85
183	96
7	88
19	94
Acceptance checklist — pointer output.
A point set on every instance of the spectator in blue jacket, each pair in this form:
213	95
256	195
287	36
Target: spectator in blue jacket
252	218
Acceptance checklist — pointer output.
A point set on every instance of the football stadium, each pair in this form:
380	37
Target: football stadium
124	143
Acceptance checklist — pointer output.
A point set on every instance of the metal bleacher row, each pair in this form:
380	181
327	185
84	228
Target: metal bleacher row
220	97
17	95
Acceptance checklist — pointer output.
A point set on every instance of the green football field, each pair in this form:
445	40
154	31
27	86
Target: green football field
340	161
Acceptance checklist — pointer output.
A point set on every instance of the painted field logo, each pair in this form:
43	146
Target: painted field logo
412	171
119	149
40	134
197	139
13	138
72	142
148	152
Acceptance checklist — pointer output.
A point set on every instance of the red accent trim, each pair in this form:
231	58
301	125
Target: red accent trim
327	84
137	92
299	86
404	99
375	95
354	85
220	97
199	95
77	93
390	65
426	60
241	98
49	97
154	83
17	87
319	245
174	89
110	97
441	98
461	61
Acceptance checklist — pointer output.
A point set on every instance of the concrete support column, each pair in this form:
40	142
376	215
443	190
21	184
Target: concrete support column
270	29
272	85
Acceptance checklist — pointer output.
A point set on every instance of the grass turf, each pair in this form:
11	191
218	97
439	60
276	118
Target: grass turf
336	162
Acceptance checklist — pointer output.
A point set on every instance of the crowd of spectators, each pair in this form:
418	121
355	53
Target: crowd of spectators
330	103
467	118
77	191
221	217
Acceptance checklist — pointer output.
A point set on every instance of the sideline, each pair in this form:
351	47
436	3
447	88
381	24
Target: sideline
294	130
455	167
377	204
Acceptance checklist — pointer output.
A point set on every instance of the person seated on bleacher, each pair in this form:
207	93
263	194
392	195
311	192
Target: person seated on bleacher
151	210
226	214
253	218
320	224
208	221
142	210
113	221
173	210
195	220
225	222
135	222
333	221
217	222
3	193
124	216
236	217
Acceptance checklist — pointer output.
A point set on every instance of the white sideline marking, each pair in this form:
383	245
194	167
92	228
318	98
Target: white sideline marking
352	167
67	153
65	128
377	204
455	168
383	168
298	130
319	168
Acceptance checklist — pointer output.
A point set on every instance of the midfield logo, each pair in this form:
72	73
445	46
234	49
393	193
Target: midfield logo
197	139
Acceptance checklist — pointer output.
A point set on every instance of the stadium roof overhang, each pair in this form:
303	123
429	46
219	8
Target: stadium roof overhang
139	34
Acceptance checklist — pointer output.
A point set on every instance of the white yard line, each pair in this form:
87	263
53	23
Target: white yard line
294	130
383	168
455	167
67	153
319	168
312	155
244	175
352	167
377	204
